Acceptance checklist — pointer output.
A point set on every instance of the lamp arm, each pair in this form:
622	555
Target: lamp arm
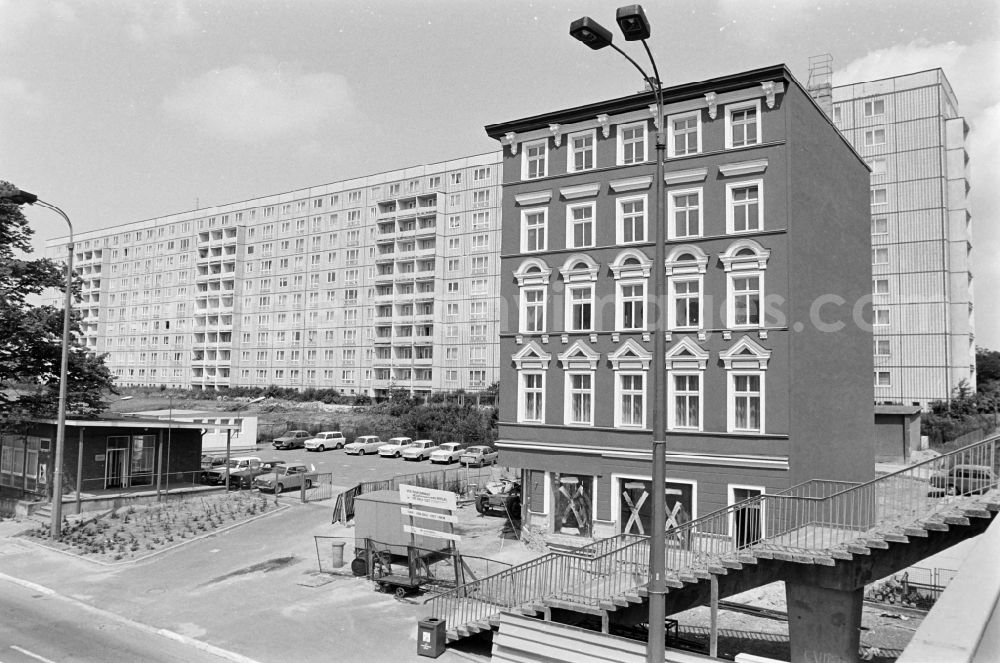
635	64
659	82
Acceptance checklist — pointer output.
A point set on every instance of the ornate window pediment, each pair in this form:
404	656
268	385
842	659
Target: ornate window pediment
579	267
580	356
531	356
745	354
686	259
630	357
532	272
631	264
745	254
686	354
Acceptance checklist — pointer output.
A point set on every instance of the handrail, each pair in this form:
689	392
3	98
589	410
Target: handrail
812	518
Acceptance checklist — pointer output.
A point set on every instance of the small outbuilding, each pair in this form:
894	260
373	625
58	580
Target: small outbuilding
897	432
101	456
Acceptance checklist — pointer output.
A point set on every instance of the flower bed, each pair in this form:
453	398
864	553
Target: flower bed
137	531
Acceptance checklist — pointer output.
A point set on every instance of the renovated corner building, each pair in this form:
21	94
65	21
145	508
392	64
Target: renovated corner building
768	268
365	285
909	130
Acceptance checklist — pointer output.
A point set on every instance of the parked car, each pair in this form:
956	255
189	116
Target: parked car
291	439
448	453
503	496
217	474
331	439
479	455
394	447
363	445
208	461
284	477
419	450
243	478
962	480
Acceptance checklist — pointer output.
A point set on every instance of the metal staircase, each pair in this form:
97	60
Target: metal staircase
883	525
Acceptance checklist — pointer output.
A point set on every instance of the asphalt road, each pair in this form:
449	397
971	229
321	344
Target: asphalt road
38	626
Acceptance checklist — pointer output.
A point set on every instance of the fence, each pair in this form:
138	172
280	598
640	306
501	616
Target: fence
917	588
321	488
460	480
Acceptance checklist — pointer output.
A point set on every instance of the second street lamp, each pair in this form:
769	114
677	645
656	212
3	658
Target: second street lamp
635	27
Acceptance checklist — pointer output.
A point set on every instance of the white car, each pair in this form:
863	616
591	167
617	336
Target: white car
363	445
394	447
447	453
331	439
420	450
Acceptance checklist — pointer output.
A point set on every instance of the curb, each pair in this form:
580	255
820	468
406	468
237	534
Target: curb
162	632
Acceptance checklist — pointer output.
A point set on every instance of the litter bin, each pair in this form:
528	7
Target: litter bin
337	554
430	637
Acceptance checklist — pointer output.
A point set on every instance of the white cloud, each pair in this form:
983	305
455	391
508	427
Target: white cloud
972	71
248	104
18	18
153	22
16	98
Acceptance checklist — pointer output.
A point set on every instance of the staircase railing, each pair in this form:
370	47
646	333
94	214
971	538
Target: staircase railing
811	518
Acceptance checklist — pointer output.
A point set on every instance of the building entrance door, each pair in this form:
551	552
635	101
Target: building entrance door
748	526
116	466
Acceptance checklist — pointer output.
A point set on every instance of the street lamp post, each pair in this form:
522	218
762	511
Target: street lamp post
634	25
17	196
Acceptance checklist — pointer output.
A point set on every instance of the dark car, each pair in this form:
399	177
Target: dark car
962	480
292	439
217	475
243	478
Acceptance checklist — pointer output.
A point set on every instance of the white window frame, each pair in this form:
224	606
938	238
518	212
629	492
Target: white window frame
870	107
731	299
620	397
620	219
526	246
875	226
526	160
620	304
731	210
732	108
572	151
570	288
880	251
731	400
522	396
568	408
888	376
671	135
621	129
672	399
880	316
571	224
672	320
885	196
731	500
887	344
874	136
672	209
523	305
877	290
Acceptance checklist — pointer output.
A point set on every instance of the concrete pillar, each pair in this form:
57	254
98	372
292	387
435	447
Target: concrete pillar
823	624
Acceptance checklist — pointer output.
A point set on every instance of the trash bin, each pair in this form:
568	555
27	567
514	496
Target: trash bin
337	554
431	637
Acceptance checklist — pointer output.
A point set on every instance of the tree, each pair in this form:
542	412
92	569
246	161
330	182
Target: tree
987	365
31	335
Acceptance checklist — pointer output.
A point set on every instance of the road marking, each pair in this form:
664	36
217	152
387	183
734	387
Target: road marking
31	654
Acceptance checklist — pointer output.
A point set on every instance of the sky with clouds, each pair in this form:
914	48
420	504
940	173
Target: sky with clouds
125	110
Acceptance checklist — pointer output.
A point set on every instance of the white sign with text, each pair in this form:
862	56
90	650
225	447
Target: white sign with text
440	499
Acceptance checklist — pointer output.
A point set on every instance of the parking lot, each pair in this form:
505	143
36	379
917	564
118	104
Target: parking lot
348	470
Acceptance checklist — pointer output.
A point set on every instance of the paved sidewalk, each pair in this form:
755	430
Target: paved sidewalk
252	590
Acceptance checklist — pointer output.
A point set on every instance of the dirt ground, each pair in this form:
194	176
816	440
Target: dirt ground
885	631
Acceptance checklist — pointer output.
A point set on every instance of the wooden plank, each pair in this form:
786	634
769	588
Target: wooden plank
823	560
842	554
933	525
894	537
732	564
717	570
877	543
858	549
972	512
